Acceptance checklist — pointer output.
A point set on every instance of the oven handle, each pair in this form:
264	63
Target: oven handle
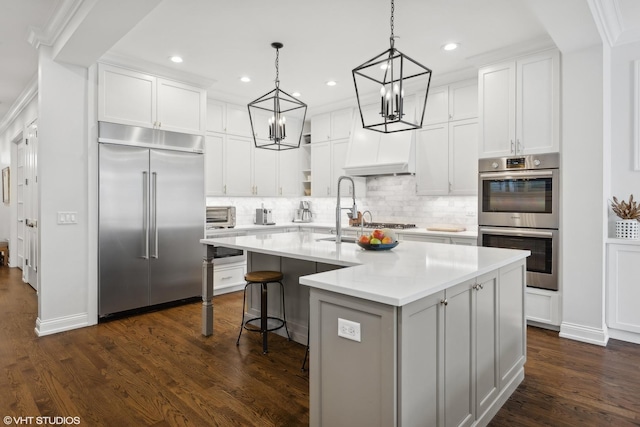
516	232
518	174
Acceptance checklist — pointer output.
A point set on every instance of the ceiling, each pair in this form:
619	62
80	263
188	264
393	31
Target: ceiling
221	41
19	59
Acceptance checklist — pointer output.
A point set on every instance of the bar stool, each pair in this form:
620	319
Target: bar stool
263	278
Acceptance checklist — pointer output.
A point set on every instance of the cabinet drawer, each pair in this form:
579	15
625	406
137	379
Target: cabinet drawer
228	276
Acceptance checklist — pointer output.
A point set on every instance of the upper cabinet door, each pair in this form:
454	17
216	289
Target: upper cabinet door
216	118
538	104
463	157
321	128
341	123
238	122
497	104
463	100
126	96
432	160
214	165
181	108
437	109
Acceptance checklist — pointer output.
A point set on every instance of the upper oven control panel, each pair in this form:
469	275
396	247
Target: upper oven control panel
530	162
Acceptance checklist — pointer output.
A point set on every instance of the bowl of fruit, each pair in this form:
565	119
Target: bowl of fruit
378	240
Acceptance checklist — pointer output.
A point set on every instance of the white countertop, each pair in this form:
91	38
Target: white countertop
468	234
408	272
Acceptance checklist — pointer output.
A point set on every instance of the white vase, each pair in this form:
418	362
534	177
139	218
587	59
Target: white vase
627	229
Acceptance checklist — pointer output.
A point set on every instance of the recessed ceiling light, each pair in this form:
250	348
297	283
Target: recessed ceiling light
177	59
296	94
331	83
245	79
450	46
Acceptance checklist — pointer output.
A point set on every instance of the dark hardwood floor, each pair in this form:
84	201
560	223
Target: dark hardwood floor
157	369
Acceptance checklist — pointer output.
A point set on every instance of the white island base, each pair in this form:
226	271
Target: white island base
442	333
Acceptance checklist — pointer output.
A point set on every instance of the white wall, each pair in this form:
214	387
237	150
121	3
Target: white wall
62	163
624	179
582	210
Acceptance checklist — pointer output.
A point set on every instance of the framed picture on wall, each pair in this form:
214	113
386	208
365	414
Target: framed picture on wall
5	185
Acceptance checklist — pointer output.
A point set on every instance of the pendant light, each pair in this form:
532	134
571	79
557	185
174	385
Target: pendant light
277	117
399	83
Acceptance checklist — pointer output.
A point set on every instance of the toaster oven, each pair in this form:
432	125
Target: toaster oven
221	217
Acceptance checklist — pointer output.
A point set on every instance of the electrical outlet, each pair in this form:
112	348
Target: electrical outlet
348	329
67	218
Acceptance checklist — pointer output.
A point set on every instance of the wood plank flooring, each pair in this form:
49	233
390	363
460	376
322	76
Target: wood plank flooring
157	369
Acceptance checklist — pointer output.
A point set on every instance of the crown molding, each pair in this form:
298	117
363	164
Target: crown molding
608	15
27	95
159	70
515	50
60	18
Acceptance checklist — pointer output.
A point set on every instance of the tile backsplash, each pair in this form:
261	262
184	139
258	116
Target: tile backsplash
388	198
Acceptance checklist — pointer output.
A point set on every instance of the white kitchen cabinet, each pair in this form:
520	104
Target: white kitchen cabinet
238	166
457	101
321	169
228	277
446	159
216	116
138	99
333	125
327	165
623	293
466	241
265	172
289	173
519	106
238	122
486	351
214	163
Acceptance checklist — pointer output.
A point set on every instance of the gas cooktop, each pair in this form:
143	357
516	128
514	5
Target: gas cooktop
388	225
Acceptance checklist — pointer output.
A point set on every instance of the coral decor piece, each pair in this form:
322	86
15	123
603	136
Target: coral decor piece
626	210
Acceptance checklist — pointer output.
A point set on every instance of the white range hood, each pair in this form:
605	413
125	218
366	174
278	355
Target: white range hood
375	153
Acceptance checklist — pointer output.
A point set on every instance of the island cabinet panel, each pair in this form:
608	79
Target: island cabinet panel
352	383
421	355
486	324
459	370
513	329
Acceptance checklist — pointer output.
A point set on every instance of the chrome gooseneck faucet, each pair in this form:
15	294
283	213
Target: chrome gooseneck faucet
354	208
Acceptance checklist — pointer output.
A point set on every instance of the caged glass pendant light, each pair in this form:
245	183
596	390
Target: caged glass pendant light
277	117
388	77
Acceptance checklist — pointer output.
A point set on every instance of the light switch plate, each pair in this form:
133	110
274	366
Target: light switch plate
66	218
349	329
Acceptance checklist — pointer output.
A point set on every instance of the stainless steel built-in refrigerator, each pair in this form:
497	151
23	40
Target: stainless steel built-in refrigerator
151	217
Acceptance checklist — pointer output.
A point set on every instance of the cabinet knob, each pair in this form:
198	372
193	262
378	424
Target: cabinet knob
444	301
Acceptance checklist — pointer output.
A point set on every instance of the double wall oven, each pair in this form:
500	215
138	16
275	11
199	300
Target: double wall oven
518	208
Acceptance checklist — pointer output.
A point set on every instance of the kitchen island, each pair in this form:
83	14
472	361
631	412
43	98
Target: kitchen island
425	334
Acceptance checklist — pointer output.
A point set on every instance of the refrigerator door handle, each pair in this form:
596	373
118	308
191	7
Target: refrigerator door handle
154	206
145	214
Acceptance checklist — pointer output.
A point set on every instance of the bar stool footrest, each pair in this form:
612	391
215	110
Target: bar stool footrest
257	328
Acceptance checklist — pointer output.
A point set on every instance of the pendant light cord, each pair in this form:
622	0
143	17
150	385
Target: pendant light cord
391	21
277	67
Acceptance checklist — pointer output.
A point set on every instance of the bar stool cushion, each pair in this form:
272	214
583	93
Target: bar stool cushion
263	276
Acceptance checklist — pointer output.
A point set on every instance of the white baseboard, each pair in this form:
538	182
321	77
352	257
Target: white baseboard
585	334
61	324
618	334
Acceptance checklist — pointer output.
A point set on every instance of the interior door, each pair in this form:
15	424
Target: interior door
30	260
177	217
123	249
20	205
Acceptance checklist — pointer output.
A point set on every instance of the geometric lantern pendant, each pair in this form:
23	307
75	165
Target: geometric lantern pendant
392	76
277	117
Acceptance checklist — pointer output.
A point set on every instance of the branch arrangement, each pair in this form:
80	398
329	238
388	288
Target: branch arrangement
626	210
